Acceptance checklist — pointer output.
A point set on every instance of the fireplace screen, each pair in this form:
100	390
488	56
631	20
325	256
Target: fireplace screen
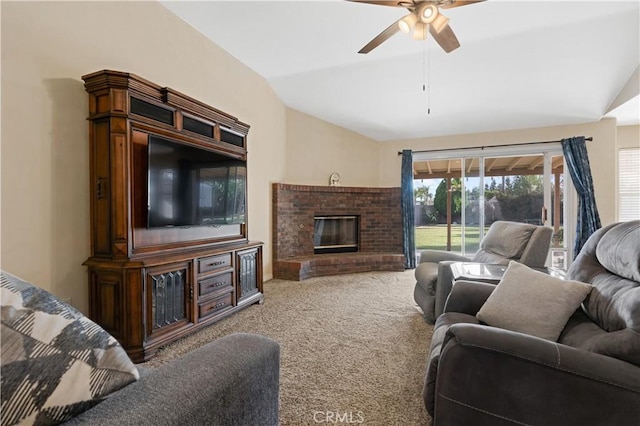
335	234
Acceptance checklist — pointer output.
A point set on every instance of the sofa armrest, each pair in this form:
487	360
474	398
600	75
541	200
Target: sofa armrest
467	297
436	256
231	381
488	375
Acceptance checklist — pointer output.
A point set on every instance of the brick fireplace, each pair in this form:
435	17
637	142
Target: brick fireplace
378	215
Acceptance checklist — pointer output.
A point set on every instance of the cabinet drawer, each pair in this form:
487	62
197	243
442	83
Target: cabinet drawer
215	283
216	305
214	262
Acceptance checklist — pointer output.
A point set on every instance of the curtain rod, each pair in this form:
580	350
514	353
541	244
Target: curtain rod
489	146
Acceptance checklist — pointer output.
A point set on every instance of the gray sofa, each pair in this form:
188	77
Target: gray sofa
231	381
505	241
484	375
59	366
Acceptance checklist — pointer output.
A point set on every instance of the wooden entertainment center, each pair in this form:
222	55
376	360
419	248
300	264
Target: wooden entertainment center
149	284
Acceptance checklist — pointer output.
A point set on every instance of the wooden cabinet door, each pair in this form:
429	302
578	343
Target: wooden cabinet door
105	300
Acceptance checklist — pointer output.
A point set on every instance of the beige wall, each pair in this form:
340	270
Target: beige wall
46	48
602	154
628	136
316	148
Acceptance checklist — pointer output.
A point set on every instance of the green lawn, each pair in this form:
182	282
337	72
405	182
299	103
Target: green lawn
435	237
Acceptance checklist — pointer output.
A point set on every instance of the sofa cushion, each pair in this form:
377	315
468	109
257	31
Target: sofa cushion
532	302
507	239
614	303
582	333
56	363
482	256
619	251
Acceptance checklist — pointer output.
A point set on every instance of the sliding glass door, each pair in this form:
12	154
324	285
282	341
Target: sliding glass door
470	189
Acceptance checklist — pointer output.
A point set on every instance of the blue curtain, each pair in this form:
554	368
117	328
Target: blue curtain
407	210
575	155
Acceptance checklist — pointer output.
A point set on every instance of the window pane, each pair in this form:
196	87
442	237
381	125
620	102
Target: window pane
436	187
629	184
514	189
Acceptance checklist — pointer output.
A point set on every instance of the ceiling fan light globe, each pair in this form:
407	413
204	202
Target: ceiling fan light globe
407	23
440	22
419	31
428	13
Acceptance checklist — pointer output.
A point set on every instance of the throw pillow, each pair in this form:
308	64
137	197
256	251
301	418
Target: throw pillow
532	302
56	363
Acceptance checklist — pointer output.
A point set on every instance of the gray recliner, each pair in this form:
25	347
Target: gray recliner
482	375
505	241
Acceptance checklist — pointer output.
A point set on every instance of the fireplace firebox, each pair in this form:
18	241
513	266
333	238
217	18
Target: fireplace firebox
335	234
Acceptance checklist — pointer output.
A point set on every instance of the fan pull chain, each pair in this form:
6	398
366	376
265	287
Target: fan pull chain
426	74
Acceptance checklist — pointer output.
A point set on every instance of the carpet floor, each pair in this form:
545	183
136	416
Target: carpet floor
353	347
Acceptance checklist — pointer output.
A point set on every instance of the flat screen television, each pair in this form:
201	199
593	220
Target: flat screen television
189	186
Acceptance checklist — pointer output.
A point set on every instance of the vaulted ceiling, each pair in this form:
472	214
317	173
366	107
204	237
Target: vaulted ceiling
521	64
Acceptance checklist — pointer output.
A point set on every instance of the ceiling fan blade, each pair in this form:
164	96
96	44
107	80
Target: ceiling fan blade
406	3
445	38
381	38
458	3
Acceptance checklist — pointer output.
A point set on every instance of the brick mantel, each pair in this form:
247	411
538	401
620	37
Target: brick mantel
380	235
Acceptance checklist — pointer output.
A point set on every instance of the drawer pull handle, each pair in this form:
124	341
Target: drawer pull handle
217	263
218	305
218	284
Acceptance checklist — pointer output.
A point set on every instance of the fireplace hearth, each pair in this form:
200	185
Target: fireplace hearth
335	234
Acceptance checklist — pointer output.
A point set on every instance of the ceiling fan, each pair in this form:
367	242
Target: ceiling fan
425	17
